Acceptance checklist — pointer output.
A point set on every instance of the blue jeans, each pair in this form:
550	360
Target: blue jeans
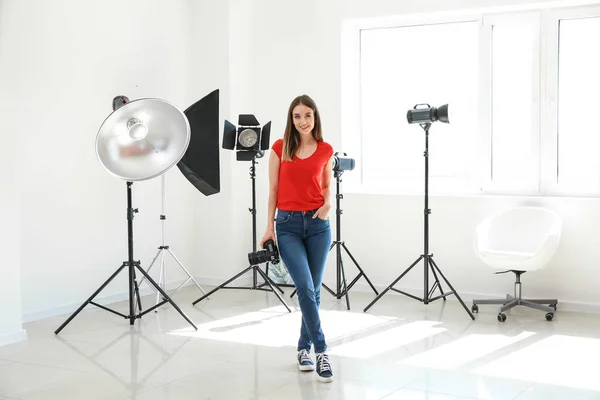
303	246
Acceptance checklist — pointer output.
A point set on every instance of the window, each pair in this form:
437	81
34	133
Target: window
514	83
521	88
578	135
400	67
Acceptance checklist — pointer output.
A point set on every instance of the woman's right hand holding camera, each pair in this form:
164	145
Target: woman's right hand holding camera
269	234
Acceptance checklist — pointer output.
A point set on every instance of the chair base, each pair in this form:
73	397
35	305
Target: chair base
513	301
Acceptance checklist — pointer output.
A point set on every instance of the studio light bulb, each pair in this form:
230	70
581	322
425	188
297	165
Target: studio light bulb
137	130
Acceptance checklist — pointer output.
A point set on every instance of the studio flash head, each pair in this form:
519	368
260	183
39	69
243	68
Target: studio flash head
342	163
427	114
248	139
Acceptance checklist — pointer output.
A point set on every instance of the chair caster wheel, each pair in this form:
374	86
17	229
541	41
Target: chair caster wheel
501	317
553	306
474	308
549	316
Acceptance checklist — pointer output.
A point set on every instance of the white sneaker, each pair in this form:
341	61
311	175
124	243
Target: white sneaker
324	372
304	361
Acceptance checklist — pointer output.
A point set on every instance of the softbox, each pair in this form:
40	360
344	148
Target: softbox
200	163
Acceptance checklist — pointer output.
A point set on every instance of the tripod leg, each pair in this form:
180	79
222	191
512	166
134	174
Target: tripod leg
179	287
162	280
186	271
89	300
327	288
267	273
265	283
393	283
137	289
451	288
344	279
272	284
222	285
151	264
360	269
437	281
166	296
268	280
322	285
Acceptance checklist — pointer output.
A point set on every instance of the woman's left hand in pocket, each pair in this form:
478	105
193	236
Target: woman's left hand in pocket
323	212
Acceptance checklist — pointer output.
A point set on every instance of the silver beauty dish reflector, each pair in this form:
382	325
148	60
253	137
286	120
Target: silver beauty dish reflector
139	140
142	139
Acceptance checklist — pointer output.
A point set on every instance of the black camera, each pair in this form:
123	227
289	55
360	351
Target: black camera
427	114
342	163
269	254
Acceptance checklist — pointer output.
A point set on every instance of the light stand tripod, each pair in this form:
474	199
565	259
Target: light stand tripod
255	268
339	244
162	280
426	257
133	286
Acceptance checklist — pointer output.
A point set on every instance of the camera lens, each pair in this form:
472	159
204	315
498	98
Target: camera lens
257	258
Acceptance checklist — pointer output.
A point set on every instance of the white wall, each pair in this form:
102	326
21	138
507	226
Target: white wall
10	268
64	62
217	246
296	50
64	221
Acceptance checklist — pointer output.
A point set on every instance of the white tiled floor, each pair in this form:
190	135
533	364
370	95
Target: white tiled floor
245	349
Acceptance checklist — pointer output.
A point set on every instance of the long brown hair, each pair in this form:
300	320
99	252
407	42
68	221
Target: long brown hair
291	137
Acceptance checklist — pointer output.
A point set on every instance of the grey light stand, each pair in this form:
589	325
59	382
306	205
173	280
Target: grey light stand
162	281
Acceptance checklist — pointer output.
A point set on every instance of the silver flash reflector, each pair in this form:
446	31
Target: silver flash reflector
142	139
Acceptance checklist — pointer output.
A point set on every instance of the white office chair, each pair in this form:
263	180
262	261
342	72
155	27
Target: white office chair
518	240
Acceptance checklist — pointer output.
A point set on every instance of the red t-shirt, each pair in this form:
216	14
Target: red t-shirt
299	187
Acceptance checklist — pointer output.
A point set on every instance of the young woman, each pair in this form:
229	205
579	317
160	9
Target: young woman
299	179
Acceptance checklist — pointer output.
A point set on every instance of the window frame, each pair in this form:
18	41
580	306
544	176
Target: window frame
351	95
550	185
544	90
487	185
